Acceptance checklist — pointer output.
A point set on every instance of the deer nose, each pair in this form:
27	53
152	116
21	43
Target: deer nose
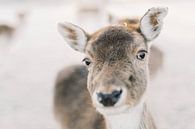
109	99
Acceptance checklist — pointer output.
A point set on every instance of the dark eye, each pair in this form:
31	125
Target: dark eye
86	61
141	55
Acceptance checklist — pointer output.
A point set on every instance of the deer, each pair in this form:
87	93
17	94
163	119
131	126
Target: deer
109	91
9	30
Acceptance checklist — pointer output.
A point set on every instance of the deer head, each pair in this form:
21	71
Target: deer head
117	59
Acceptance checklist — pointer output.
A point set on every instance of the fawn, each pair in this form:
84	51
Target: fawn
109	92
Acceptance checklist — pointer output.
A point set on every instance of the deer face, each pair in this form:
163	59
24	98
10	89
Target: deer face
117	60
117	63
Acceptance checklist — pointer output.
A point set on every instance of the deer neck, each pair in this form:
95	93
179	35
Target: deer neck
130	119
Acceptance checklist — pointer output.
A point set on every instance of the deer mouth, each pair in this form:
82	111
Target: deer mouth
112	110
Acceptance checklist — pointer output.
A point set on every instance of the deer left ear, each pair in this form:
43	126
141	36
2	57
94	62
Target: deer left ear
75	36
152	22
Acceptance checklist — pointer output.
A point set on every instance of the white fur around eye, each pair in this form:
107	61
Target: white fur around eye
149	30
81	38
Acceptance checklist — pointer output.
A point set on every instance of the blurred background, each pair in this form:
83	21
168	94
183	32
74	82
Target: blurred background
32	52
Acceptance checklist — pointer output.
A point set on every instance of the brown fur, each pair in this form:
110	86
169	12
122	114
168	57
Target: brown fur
156	56
153	18
82	114
7	30
72	103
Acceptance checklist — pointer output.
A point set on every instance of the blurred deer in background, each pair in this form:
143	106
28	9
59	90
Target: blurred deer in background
109	93
8	30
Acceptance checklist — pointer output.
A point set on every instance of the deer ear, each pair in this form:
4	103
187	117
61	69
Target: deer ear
152	22
73	35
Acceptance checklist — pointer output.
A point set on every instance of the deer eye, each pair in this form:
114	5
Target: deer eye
86	61
141	54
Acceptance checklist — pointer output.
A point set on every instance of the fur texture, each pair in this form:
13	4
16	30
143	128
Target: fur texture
73	106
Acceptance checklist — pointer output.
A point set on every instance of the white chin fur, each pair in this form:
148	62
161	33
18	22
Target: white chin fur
112	110
122	109
124	117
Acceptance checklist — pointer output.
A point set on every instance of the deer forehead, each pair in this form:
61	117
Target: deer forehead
114	43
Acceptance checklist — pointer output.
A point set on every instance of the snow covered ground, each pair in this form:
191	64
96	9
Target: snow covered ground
30	61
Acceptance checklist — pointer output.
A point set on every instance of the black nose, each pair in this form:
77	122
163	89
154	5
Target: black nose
109	99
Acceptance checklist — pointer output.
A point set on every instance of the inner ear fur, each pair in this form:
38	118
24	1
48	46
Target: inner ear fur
151	23
74	35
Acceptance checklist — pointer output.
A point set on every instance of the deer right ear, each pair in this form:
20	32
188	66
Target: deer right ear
73	35
152	22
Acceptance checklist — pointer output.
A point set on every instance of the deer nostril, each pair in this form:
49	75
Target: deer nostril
109	99
116	94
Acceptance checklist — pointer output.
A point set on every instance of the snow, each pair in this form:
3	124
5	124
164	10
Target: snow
30	61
